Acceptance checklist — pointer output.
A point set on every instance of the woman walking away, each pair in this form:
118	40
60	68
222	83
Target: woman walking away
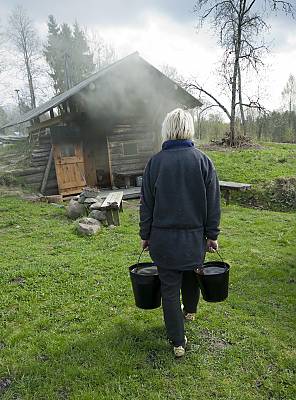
179	219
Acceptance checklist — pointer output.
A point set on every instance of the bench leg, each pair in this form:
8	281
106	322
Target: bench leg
115	214
227	197
109	217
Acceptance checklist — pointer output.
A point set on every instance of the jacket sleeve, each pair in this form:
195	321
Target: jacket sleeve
213	203
147	204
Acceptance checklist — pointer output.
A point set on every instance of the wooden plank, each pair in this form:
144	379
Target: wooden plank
113	200
46	172
110	163
130	161
36	178
130	173
36	156
28	171
130	168
38	163
122	137
45	124
234	185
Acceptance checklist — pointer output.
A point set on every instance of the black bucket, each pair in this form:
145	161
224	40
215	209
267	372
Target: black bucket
146	285
213	278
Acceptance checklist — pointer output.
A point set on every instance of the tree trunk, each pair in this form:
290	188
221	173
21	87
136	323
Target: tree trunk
233	100
30	82
242	113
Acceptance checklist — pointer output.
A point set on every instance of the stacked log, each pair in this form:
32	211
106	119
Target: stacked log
33	176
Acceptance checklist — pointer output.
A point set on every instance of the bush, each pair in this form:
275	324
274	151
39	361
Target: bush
282	193
276	195
7	179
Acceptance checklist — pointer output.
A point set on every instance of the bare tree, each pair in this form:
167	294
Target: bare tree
22	34
289	94
172	73
239	24
103	52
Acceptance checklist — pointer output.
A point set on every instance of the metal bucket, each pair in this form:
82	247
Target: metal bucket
145	284
213	279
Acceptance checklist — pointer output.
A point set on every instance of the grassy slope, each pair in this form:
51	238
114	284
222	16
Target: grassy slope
69	328
266	169
252	166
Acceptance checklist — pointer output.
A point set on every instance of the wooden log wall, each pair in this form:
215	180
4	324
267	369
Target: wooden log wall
142	136
33	175
96	161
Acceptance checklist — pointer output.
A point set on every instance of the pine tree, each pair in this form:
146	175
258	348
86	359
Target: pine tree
52	52
67	54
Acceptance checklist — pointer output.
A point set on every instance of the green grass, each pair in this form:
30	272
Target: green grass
273	160
263	168
69	328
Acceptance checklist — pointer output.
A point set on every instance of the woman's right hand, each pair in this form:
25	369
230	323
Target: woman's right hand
145	244
212	245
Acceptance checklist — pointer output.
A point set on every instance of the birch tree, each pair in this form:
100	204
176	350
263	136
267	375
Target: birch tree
289	94
24	37
239	25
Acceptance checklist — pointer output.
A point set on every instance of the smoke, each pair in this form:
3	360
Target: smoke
130	89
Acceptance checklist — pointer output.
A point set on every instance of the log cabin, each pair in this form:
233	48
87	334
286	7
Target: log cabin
101	132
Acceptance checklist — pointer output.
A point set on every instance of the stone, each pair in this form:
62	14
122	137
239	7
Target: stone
96	205
88	226
90	192
75	210
99	215
90	200
81	199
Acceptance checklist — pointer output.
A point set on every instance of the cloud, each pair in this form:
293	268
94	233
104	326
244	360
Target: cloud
163	31
101	12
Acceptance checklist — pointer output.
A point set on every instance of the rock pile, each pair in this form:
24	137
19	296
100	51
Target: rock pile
87	205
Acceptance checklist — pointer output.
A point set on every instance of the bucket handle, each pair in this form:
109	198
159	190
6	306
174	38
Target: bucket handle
140	257
219	255
144	250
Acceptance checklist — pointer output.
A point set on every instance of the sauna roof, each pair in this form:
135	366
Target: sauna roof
185	98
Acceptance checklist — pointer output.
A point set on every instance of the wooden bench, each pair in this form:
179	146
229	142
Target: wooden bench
127	176
227	187
112	204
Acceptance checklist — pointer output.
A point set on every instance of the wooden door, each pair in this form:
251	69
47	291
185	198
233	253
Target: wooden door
69	164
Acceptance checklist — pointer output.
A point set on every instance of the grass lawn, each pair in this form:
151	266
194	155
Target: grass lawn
70	330
254	165
270	169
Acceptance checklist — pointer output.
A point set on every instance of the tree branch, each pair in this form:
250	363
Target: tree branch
199	88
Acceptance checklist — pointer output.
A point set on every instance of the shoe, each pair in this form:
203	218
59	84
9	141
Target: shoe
189	316
179	351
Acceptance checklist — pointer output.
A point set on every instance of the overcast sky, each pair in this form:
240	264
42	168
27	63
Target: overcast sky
164	32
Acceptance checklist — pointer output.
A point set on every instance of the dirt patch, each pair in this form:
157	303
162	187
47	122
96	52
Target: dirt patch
215	343
5	383
42	357
224	148
19	280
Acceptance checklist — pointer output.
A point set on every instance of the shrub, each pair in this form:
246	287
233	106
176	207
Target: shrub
7	179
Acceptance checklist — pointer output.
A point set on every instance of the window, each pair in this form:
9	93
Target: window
130	149
67	150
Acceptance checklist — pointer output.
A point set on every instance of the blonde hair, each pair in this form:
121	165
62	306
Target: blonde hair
178	124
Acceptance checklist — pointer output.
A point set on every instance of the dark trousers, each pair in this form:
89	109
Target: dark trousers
172	282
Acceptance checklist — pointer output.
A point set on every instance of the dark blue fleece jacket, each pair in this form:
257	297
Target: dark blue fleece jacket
180	205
